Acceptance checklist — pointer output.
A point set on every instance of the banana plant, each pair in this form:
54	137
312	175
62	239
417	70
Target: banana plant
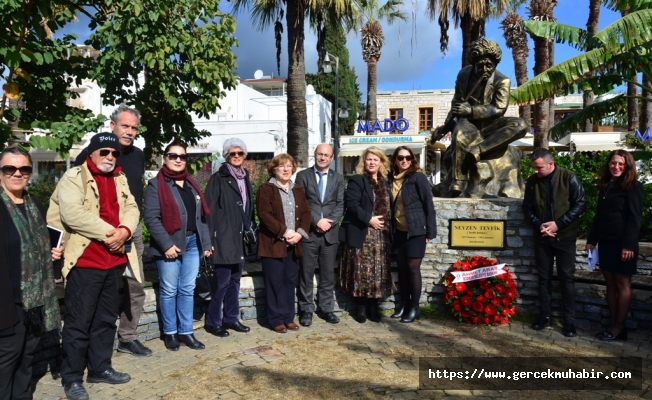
611	57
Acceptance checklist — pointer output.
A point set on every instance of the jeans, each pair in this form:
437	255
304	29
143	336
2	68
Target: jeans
176	288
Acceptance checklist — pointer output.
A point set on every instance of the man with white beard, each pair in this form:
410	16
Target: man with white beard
93	204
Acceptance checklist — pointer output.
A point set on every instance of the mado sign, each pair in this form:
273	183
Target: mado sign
388	125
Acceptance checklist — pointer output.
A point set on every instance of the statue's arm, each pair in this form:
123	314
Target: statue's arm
498	105
449	123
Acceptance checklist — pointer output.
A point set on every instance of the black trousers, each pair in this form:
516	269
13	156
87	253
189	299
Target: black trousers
17	350
548	250
280	276
317	251
92	308
226	296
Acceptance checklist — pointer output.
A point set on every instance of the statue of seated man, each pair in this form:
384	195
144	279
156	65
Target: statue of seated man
476	120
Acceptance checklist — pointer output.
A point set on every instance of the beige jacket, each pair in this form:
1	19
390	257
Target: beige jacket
75	209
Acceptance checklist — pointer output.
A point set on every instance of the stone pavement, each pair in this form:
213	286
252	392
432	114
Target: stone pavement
375	345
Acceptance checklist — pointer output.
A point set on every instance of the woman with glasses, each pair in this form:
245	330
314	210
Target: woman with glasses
231	199
284	216
365	232
414	224
176	216
29	309
615	230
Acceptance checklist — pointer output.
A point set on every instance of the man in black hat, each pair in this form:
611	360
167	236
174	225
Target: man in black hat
93	204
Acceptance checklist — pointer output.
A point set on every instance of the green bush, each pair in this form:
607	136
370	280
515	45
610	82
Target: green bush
587	166
42	188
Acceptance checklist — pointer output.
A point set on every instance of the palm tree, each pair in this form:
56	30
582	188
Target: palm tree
612	57
592	27
267	12
516	39
470	15
367	16
541	10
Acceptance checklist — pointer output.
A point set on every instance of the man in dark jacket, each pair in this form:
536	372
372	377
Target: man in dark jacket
554	200
325	194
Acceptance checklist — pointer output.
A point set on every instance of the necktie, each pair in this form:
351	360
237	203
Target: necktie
320	184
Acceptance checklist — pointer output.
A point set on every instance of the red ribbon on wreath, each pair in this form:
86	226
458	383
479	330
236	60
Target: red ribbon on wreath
488	301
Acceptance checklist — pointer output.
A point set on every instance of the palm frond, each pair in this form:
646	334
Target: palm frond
561	33
635	5
632	30
594	111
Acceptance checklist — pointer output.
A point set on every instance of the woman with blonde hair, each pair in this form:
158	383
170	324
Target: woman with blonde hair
366	236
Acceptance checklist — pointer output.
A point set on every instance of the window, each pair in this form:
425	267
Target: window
395	113
425	118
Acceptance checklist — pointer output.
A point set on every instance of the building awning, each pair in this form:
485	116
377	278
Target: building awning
356	149
594	141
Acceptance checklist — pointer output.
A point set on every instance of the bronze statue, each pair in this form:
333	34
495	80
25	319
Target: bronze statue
479	162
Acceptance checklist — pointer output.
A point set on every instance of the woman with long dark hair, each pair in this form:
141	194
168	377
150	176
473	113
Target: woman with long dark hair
176	217
615	231
366	236
414	224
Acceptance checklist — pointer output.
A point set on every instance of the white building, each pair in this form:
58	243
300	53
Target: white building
255	111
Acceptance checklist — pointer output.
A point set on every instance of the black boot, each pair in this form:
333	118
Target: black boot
399	313
360	310
413	313
372	310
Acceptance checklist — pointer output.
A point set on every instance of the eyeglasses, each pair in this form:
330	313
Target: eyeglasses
284	167
10	170
617	164
174	156
237	153
406	158
105	152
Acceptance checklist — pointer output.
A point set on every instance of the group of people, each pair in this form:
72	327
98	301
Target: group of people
387	209
554	200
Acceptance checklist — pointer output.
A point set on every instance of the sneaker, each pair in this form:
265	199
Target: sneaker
134	348
75	391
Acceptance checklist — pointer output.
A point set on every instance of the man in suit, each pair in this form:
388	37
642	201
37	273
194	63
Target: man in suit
476	119
325	193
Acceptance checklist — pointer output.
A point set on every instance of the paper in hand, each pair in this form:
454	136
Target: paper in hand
593	258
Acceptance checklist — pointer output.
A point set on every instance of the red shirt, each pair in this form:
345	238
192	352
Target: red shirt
97	255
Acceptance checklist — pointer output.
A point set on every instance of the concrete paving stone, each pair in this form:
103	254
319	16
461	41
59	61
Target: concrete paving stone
390	367
251	363
271	359
373	361
228	362
405	395
462	393
248	357
407	365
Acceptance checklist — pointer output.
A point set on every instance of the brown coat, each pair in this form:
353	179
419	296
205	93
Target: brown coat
272	220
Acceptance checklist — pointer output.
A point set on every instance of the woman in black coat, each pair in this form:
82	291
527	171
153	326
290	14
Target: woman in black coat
365	231
616	227
414	224
230	197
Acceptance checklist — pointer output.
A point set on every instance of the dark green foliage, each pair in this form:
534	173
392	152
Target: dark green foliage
42	188
587	166
324	84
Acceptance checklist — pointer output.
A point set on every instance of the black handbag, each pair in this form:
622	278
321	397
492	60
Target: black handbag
206	283
250	234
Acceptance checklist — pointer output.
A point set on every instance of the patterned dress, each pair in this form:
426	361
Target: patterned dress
365	272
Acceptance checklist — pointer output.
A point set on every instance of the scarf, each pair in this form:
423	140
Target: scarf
170	216
381	199
37	285
239	174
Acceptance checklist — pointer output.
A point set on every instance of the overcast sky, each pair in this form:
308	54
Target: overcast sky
408	61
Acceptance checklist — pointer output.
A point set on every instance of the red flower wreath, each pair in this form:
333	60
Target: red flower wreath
489	301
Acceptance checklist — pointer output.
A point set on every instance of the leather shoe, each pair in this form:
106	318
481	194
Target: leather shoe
134	348
610	337
541	323
75	391
280	329
292	326
109	376
398	313
192	342
219	331
329	317
171	341
412	314
569	330
305	319
236	326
